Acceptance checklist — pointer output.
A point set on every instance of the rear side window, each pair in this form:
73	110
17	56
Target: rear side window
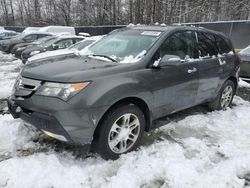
206	45
42	35
222	45
77	40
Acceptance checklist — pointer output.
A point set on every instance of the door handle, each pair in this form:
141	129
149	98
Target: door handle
192	70
222	62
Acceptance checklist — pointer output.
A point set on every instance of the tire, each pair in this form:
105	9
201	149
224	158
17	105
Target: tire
114	136
217	103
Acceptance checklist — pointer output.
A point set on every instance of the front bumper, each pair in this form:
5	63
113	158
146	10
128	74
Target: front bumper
43	122
54	116
24	57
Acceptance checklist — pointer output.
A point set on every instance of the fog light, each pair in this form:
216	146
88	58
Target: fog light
18	109
56	136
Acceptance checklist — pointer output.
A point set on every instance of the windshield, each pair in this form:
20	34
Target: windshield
44	39
49	42
126	46
81	45
246	50
19	36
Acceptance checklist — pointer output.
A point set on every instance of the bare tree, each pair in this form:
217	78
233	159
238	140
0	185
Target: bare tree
112	12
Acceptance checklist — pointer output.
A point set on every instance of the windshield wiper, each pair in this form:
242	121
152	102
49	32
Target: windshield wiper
110	58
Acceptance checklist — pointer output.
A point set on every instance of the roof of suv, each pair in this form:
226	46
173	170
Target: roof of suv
70	36
172	27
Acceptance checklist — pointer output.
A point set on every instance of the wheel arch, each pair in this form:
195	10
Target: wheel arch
234	80
125	101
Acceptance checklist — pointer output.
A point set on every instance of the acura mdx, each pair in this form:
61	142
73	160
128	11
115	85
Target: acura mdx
109	95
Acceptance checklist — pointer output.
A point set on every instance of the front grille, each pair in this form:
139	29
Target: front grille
24	87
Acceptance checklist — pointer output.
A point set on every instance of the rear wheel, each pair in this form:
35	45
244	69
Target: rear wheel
120	132
225	97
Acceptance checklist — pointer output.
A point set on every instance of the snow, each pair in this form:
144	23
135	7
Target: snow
132	59
203	149
50	54
244	84
100	58
9	69
206	150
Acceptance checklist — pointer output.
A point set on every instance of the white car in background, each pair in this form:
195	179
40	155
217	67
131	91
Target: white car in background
31	29
70	50
58	29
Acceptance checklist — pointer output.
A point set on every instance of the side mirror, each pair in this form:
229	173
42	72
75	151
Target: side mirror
169	60
55	46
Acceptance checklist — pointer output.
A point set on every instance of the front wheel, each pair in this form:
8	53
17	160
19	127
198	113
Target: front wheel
120	132
225	97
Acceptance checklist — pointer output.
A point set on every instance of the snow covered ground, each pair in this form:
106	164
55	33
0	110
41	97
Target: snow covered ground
9	69
200	149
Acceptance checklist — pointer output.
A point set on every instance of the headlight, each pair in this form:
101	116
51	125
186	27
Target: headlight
62	91
34	52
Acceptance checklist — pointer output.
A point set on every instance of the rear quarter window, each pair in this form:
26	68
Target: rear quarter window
223	45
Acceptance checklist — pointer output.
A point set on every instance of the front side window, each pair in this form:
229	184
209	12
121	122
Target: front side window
206	45
30	37
64	43
180	44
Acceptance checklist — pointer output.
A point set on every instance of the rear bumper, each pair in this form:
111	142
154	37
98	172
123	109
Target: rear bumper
56	118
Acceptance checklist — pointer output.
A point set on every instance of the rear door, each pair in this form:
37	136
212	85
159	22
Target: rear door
175	87
209	66
226	56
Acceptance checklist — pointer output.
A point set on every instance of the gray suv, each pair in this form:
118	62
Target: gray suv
111	93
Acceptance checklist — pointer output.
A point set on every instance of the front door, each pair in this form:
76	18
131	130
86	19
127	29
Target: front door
175	87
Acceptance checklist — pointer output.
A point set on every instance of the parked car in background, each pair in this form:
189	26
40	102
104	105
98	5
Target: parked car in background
7	45
245	64
63	52
58	29
7	34
31	30
19	48
61	42
125	81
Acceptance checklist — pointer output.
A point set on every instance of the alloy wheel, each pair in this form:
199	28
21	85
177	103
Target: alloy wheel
124	133
226	97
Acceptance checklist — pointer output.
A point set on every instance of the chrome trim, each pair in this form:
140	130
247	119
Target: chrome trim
25	86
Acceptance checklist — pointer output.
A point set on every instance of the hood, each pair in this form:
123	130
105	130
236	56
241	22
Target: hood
71	68
23	44
51	54
11	41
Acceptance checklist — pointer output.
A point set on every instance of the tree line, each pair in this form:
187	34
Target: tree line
119	12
